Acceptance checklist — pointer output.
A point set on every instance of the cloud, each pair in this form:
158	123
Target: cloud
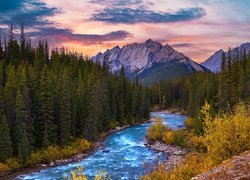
132	16
182	45
117	2
30	12
66	35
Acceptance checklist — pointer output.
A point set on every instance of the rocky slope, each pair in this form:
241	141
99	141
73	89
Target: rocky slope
149	61
214	62
236	168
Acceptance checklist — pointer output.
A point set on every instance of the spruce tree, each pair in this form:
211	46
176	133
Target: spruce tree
221	96
23	146
65	109
5	142
22	44
1	50
45	109
22	142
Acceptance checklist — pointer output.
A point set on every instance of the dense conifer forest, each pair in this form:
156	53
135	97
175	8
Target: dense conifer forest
51	97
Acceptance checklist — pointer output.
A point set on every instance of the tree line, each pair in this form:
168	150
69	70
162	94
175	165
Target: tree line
222	90
49	97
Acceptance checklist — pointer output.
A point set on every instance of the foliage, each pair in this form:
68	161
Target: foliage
227	134
78	175
55	152
13	163
189	123
194	164
155	132
3	168
176	138
195	142
5	143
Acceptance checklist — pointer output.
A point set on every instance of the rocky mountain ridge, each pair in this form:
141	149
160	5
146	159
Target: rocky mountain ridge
149	61
213	63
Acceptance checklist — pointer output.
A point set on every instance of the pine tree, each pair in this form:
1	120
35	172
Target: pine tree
221	81
65	109
40	58
5	142
9	95
228	78
23	146
1	50
21	127
13	48
45	138
45	109
22	44
122	92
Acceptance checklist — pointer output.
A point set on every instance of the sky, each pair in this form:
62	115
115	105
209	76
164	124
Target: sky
197	28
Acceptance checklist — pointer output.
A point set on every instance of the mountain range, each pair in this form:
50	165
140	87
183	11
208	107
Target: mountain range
213	63
150	61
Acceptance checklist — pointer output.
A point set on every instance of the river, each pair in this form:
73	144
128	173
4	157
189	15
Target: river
123	156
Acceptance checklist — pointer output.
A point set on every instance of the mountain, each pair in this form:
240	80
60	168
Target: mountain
214	62
149	61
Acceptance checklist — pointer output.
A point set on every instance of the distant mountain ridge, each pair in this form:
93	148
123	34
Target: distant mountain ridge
213	63
149	61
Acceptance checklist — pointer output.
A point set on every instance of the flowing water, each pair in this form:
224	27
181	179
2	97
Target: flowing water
123	156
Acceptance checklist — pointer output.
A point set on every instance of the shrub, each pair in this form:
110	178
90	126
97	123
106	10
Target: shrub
227	134
13	163
78	175
155	132
195	142
113	124
3	167
176	138
189	123
55	152
194	164
168	137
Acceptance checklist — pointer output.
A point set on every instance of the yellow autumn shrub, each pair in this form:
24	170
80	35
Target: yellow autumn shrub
227	134
189	123
55	152
13	163
177	138
193	164
155	132
3	167
195	142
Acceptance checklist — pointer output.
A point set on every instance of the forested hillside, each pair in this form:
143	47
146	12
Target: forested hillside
222	90
49	98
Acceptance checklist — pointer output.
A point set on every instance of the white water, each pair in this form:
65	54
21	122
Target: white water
125	155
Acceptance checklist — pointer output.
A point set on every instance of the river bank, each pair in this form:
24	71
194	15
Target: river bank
75	158
175	154
101	149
